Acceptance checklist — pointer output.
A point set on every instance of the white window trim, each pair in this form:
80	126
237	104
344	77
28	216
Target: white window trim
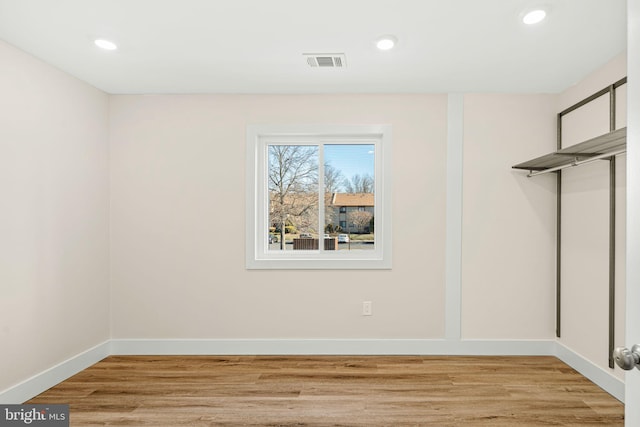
256	253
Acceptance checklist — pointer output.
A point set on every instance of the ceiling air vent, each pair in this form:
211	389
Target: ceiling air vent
326	60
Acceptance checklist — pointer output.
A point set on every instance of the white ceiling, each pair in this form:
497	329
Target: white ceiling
256	46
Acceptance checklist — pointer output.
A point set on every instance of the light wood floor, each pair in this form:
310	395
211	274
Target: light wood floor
333	390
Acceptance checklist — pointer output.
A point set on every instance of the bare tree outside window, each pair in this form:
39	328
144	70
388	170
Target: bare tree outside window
360	184
360	219
293	187
333	179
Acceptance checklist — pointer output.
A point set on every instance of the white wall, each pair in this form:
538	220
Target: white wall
54	247
508	268
178	219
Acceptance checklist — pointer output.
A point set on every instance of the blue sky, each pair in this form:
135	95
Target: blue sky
351	159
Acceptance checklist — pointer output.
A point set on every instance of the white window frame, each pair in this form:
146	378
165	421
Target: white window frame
257	228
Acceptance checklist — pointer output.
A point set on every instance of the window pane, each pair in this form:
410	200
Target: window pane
293	197
349	178
289	196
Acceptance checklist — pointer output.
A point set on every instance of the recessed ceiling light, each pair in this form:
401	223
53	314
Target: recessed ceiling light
105	44
386	42
534	16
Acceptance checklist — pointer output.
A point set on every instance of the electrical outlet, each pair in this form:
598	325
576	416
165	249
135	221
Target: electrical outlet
366	308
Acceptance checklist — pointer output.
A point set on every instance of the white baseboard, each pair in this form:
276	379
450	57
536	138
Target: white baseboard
35	385
43	381
604	378
331	347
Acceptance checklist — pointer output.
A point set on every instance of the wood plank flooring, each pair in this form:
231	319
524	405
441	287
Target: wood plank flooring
333	391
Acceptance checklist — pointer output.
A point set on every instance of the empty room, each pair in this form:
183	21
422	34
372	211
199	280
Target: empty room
351	212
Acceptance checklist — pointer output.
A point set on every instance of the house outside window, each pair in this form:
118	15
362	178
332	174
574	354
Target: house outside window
356	212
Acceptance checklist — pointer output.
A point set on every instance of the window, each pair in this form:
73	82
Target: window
310	186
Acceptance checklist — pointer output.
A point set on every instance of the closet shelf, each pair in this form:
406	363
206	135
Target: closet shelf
602	146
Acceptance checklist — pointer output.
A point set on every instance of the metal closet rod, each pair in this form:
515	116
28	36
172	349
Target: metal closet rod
578	162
